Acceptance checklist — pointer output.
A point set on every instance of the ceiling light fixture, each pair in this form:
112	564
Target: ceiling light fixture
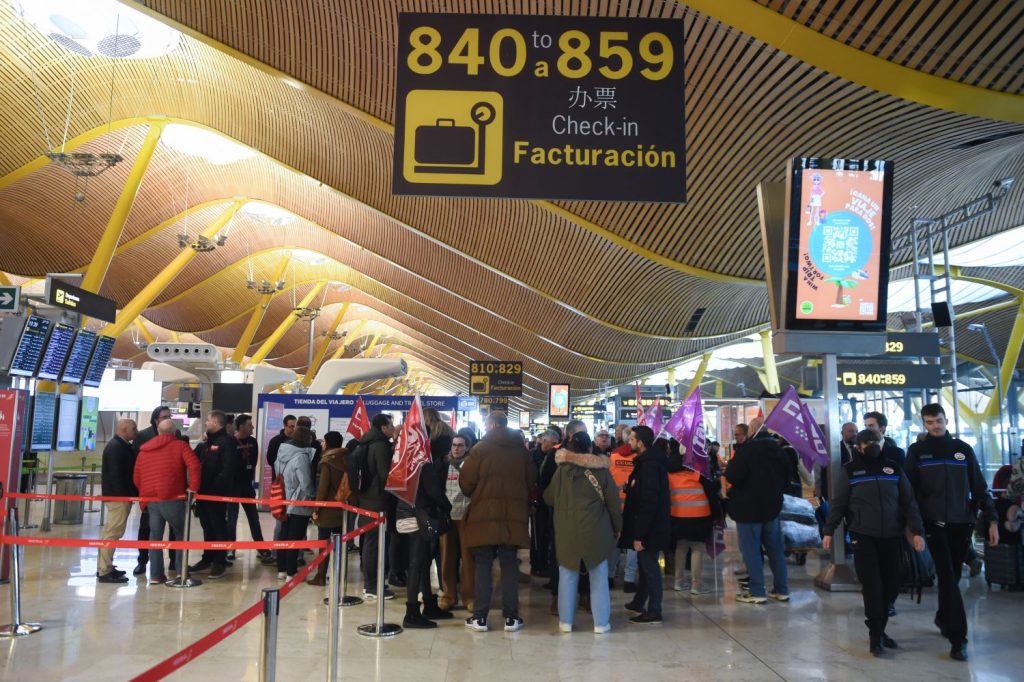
103	28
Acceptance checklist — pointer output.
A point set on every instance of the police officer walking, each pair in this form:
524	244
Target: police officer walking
875	496
950	488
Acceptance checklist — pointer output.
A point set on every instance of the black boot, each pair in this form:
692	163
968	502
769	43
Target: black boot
432	611
414	621
877	648
889	642
958	651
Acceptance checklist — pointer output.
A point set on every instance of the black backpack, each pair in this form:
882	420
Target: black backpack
917	570
359	468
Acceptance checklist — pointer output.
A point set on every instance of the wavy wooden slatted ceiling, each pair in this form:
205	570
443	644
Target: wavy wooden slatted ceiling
749	106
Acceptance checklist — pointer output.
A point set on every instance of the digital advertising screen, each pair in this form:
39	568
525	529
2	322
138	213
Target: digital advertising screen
78	357
44	417
838	227
558	401
30	347
56	353
89	423
98	363
67	422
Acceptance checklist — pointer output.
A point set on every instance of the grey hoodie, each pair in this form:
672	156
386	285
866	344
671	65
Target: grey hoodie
294	464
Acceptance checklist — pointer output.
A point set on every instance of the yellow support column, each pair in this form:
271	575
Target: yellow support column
1010	357
146	334
385	350
369	349
4	279
286	324
770	370
699	376
97	269
322	350
137	305
257	314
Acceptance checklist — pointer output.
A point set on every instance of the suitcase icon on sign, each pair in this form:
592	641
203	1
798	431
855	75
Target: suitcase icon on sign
448	148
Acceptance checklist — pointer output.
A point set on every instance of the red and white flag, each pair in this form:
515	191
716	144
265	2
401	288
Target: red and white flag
359	423
412	451
454	423
641	418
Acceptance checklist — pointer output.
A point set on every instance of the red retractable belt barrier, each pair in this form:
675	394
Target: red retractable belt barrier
86	498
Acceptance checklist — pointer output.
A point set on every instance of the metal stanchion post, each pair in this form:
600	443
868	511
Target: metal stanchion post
92	487
183	579
103	514
333	617
268	638
16	628
380	628
28	503
345	600
44	525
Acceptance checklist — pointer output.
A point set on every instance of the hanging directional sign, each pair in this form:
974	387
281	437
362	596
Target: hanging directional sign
10	299
530	107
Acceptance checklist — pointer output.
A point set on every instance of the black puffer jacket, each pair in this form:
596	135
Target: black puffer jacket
645	515
947	481
220	462
758	476
875	497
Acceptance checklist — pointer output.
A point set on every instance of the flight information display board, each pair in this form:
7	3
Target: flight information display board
44	416
67	422
78	358
30	347
838	222
56	353
98	363
88	424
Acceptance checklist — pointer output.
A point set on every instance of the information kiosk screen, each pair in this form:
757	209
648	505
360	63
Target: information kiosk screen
44	415
56	353
30	346
558	401
100	358
838	227
67	422
89	423
78	358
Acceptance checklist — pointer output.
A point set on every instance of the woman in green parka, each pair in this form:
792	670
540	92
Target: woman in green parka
588	520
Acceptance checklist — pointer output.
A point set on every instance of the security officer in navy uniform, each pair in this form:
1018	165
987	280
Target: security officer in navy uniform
875	496
950	489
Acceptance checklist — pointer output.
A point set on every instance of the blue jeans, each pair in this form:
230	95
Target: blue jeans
629	575
171	513
600	600
649	588
769	534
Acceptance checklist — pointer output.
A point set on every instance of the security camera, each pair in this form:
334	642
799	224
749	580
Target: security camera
1003	184
80	197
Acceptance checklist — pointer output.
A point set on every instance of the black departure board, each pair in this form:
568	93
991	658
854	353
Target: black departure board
78	358
98	363
30	346
56	352
44	417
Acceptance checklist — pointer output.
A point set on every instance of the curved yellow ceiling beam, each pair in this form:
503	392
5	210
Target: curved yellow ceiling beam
857	66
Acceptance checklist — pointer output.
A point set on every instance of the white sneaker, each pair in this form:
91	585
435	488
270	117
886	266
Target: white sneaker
564	627
602	629
513	624
748	598
698	590
778	596
281	575
476	624
681	587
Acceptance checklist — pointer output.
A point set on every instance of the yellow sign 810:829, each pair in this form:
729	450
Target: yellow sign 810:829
574	60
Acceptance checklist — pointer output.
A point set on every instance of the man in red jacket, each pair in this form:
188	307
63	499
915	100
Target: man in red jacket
160	471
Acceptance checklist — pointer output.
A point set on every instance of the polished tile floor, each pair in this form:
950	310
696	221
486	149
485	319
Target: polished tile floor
112	632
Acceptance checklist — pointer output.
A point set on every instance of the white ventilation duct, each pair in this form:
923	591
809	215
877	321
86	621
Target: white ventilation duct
334	374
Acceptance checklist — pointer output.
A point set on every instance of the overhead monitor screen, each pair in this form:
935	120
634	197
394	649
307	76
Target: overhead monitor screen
558	400
67	422
78	358
56	353
838	227
98	363
88	424
44	416
30	347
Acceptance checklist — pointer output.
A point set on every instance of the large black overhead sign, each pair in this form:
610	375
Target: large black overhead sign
555	107
909	344
63	295
495	378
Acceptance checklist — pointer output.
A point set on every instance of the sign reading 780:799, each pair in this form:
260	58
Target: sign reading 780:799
540	107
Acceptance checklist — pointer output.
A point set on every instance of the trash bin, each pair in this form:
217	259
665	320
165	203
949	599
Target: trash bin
69	511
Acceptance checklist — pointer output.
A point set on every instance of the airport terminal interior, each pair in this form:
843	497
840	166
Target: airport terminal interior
674	218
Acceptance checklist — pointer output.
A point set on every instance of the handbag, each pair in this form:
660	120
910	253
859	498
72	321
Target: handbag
432	527
278	508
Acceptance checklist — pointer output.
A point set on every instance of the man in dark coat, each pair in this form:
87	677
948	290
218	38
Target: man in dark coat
758	475
377	442
118	470
646	524
220	461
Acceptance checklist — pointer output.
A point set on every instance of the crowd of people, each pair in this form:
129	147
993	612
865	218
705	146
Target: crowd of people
580	506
